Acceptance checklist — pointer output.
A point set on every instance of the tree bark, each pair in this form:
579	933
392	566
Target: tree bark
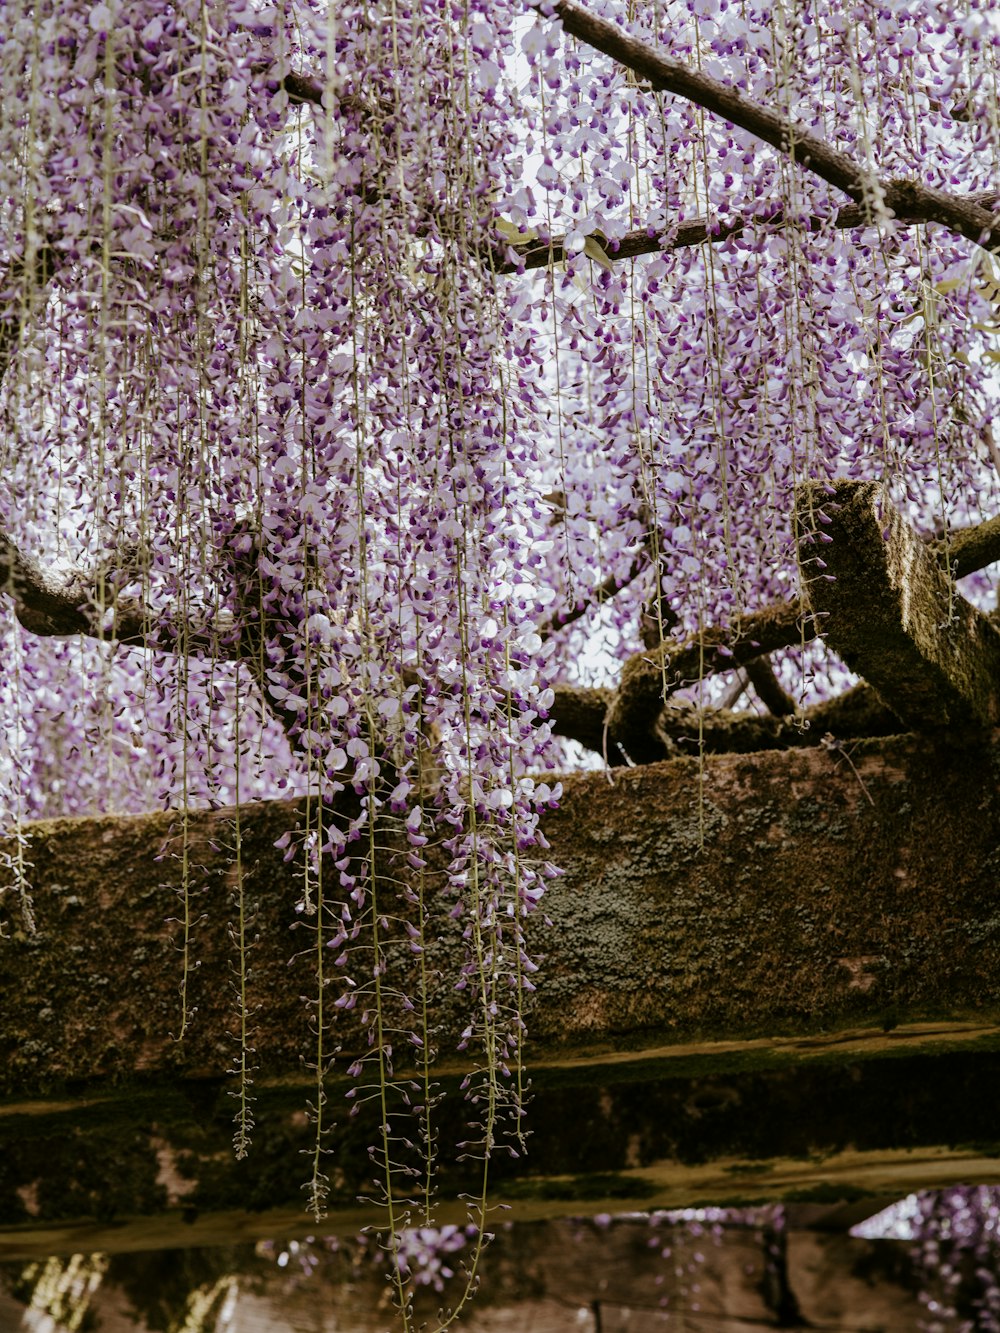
884	604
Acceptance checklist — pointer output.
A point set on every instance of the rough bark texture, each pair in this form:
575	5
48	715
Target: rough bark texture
852	715
578	712
648	679
878	599
968	549
887	608
758	958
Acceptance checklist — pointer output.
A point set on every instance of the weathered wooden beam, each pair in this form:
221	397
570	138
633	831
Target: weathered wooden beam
762	957
151	1167
884	604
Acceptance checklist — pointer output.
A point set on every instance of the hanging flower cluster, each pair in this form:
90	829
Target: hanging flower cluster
697	385
326	475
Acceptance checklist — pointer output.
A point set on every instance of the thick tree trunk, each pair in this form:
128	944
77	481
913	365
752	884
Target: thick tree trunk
764	975
886	606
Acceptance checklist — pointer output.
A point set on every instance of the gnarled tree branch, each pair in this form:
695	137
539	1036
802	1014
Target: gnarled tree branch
648	679
538	253
604	592
48	603
910	202
892	614
968	549
665	74
910	199
769	689
578	713
856	713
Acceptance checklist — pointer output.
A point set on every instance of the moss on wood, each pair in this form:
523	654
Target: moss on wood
782	897
884	604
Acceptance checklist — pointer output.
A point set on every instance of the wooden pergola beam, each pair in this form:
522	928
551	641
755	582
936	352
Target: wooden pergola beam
757	960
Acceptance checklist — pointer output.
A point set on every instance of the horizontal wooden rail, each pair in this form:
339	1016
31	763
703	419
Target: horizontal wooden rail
752	964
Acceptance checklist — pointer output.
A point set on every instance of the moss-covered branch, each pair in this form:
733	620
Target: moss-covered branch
967	549
578	713
856	713
635	722
892	614
648	679
769	688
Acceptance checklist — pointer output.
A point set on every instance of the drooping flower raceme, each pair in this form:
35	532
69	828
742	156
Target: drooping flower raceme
271	375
